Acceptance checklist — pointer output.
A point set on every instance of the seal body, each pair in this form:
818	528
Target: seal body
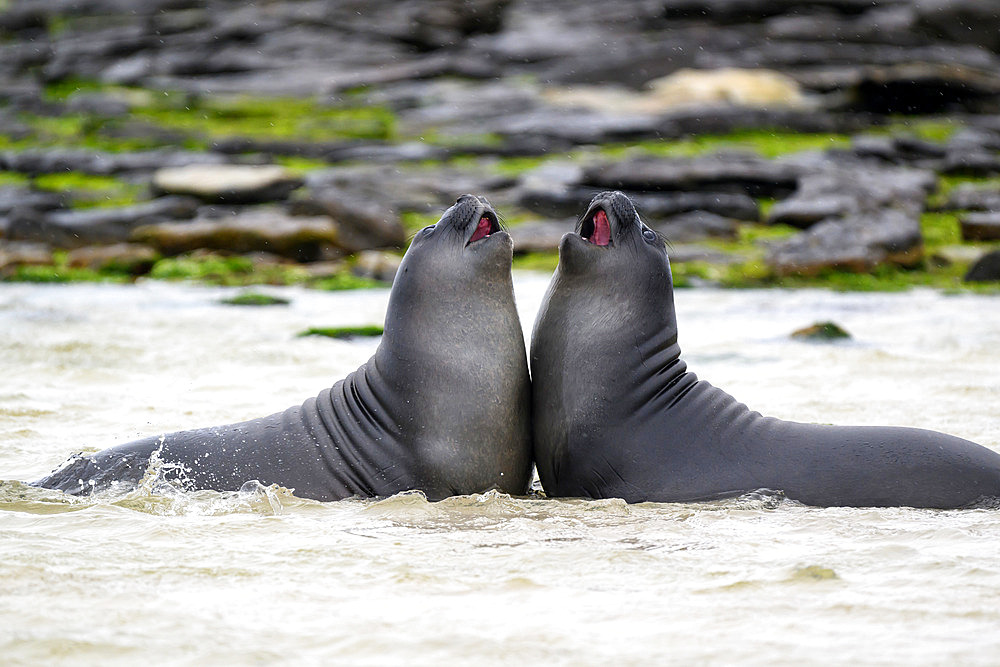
618	414
443	406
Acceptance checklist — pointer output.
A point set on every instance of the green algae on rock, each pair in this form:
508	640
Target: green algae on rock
370	330
821	331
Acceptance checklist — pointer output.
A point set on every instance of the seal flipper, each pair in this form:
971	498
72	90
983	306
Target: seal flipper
88	473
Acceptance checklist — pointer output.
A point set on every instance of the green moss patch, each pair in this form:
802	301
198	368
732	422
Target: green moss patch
254	299
60	272
13	178
343	281
237	270
274	118
370	330
91	191
537	261
766	143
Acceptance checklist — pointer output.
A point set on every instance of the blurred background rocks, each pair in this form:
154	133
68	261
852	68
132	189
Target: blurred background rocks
768	140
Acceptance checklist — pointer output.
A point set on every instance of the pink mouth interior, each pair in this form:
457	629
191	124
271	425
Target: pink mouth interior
602	229
482	229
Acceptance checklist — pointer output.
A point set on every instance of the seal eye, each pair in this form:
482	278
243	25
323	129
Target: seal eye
649	235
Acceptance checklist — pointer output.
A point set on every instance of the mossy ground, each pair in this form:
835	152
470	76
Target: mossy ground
254	299
190	121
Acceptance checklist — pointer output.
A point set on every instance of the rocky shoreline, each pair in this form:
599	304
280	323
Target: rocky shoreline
772	142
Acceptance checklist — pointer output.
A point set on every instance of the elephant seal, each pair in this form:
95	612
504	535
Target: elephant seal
617	413
443	406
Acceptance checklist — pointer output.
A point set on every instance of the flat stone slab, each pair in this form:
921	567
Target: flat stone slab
719	172
972	198
857	244
15	196
132	257
849	191
97	226
697	226
363	223
303	239
232	184
981	226
14	254
59	160
539	236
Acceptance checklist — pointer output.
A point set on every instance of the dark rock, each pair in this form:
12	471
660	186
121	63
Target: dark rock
732	11
74	229
57	160
697	226
376	265
97	104
401	189
964	21
843	192
453	107
269	230
539	236
629	62
130	71
311	149
19	57
966	197
16	254
235	184
920	88
964	163
729	119
720	172
856	244
439	23
576	126
13	196
897	150
362	223
693	252
987	269
415	69
131	258
413	151
803	212
22	17
975	139
821	331
879	25
981	226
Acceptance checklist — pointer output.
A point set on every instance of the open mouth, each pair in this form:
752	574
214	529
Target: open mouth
487	225
596	228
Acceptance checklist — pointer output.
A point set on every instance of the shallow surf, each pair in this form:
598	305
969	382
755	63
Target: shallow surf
260	576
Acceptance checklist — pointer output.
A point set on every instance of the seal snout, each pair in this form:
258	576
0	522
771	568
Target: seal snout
608	216
488	224
478	216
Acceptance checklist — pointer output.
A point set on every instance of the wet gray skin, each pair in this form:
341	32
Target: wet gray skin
443	406
617	413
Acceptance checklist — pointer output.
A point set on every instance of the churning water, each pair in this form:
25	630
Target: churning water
262	577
